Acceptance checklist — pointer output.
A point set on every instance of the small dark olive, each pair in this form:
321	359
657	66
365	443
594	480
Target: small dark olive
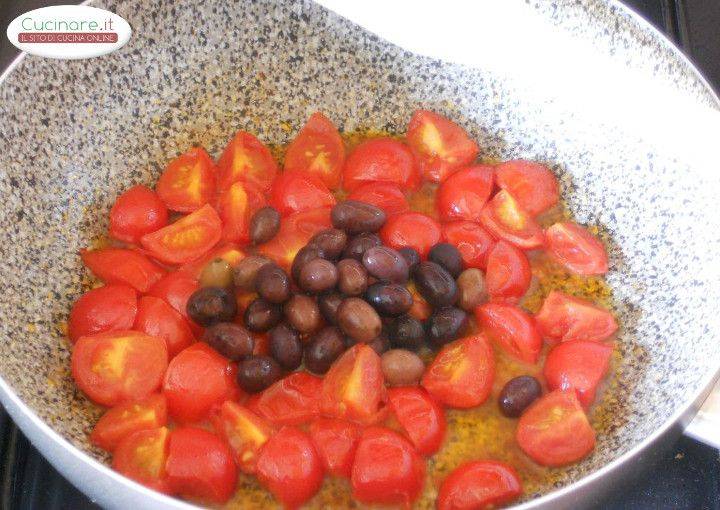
261	315
406	332
257	373
518	394
229	339
435	284
386	264
352	277
445	325
303	313
264	225
272	284
323	349
331	242
318	275
380	344
246	271
329	304
389	299
471	289
358	245
402	368
447	257
210	305
358	319
357	217
305	255
285	346
411	256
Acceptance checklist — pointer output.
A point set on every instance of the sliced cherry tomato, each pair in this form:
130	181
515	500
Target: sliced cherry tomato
387	470
505	219
157	318
387	197
508	272
188	238
354	388
141	456
317	150
229	252
554	431
479	484
289	467
188	182
533	185
246	159
442	145
136	212
124	419
511	328
175	289
118	265
295	192
462	373
411	229
381	160
197	380
422	420
579	365
118	366
244	431
464	194
562	318
107	308
236	206
472	241
576	249
295	231
200	465
293	400
335	441
420	308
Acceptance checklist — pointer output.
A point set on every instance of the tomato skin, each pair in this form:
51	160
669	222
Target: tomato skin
107	308
229	252
387	470
381	160
472	241
188	182
236	205
246	159
293	192
412	229
120	265
578	365
462	373
157	318
562	318
576	249
479	484
512	329
124	419
533	185
244	431
335	441
295	231
175	289
506	220
387	197
200	466
554	431
317	150
464	194
508	273
118	366
142	455
421	418
136	212
293	400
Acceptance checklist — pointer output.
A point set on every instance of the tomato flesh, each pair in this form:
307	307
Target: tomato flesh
317	150
246	159
411	229
136	212
508	273
512	329
142	456
479	484
188	182
387	197
472	241
157	318
578	365
119	265
294	192
236	205
107	308
464	194
295	231
244	431
293	400
562	318
383	160
576	249
505	219
421	418
124	419
335	441
533	185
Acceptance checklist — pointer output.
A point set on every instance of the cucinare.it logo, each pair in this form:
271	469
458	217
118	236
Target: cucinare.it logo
69	31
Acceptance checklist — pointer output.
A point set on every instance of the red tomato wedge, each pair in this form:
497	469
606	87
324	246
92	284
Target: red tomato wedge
533	185
387	197
335	441
512	329
246	159
505	219
317	150
188	238
157	318
472	241
578	365
136	212
236	205
200	466
107	308
554	431
442	145
383	160
244	431
295	192
576	249
422	420
562	318
464	194
118	366
124	419
508	272
462	373
290	467
295	231
479	484
229	252
411	229
292	400
175	289
141	456
188	182
119	265
387	469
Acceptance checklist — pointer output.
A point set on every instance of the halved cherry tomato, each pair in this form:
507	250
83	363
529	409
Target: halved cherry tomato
175	289
462	373
513	329
578	365
244	431
295	231
157	318
236	206
576	249
533	185
420	308
472	241
118	366
354	388
505	219
107	308
387	469
136	212
479	484
197	380
289	467
554	431
200	465
412	229
442	145
188	238
562	318
295	192
381	160
422	420
317	150
293	400
188	182
229	252
119	265
124	419
335	441
508	272
246	159
387	197
141	456
464	194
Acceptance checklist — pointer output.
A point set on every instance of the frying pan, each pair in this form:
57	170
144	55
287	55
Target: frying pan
574	84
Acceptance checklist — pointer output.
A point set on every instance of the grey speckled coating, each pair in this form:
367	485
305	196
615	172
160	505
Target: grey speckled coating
75	133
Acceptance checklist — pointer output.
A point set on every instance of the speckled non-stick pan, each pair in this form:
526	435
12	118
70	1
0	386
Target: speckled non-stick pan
75	133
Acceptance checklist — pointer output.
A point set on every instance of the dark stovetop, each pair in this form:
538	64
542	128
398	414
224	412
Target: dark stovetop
687	477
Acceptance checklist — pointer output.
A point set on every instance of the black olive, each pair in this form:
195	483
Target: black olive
352	277
518	394
329	304
406	332
331	242
302	257
411	256
264	225
389	299
210	305
358	245
260	315
272	284
318	275
447	257
246	271
285	346
386	264
445	325
257	373
229	339
435	284
324	348
356	217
